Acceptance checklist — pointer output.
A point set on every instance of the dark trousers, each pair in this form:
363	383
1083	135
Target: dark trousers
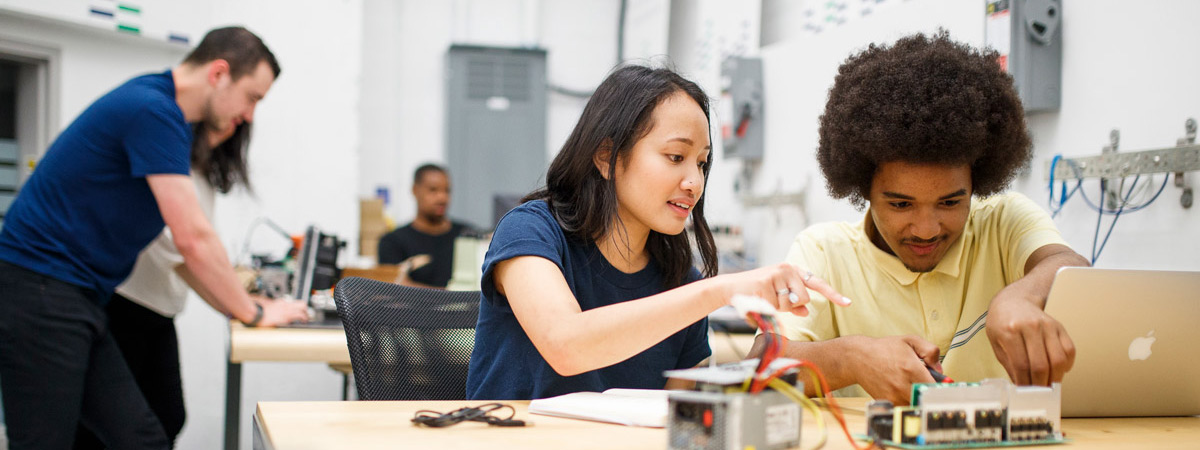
60	367
149	344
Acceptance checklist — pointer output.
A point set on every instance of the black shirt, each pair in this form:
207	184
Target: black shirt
406	242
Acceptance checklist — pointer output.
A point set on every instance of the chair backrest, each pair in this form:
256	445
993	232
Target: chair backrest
407	343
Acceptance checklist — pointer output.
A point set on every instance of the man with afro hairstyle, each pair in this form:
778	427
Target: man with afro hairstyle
913	131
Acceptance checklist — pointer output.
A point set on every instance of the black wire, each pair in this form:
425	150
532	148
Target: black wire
481	413
1097	252
1099	215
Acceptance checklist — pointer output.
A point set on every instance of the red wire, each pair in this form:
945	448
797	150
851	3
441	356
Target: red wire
769	355
823	388
774	348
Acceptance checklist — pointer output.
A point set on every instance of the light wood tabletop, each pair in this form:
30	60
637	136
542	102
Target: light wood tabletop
371	425
327	345
246	344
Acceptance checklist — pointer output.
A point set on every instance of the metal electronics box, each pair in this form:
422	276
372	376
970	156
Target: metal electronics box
721	415
732	421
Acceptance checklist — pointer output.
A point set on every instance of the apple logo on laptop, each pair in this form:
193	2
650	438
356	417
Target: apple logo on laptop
1139	349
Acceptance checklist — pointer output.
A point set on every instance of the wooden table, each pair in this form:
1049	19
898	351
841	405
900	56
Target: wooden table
323	345
386	425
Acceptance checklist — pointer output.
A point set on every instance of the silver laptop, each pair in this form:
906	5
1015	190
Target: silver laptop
1137	340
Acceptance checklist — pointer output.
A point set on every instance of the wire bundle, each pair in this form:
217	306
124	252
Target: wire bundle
1056	206
774	347
762	378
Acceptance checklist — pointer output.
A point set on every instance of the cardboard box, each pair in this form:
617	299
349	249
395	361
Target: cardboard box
372	207
372	225
368	247
370	216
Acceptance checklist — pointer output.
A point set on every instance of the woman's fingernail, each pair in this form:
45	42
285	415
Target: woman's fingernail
846	300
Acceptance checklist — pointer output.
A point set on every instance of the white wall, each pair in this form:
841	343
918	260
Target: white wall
1125	66
384	71
154	19
90	62
703	34
1136	80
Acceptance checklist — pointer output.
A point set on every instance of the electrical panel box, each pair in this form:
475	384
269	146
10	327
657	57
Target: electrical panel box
1028	36
495	127
741	108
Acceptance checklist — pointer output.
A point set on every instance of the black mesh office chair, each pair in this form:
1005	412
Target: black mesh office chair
407	343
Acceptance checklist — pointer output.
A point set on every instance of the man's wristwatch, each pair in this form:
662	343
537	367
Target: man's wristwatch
258	315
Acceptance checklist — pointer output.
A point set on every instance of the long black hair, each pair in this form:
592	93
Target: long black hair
616	116
222	166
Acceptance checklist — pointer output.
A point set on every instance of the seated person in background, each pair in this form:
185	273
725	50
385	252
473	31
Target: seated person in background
425	246
915	130
590	284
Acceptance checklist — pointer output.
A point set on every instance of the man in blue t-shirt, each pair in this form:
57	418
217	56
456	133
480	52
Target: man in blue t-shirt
104	189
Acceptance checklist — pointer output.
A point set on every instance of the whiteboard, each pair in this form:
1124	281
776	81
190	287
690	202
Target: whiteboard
181	22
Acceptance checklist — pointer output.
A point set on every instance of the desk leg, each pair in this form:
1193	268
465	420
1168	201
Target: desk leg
259	441
233	403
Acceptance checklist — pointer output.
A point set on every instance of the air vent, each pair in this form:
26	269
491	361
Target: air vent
489	77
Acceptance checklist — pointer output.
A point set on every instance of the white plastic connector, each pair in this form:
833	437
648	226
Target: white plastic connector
746	304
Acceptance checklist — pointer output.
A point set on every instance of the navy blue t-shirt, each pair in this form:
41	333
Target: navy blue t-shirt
87	210
505	365
406	242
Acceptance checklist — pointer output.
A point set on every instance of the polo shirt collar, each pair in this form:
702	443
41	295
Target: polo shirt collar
890	264
950	264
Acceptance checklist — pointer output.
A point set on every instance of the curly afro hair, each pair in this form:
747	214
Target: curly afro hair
922	100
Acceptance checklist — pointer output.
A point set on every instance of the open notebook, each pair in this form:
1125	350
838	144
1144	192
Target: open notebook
631	407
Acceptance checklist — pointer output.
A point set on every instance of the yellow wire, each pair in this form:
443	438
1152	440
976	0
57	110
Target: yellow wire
798	397
816	383
820	400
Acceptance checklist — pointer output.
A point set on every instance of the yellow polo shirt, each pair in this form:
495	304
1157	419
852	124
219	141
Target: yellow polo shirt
947	306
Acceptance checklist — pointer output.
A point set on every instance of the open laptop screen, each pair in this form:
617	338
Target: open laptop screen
1137	341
